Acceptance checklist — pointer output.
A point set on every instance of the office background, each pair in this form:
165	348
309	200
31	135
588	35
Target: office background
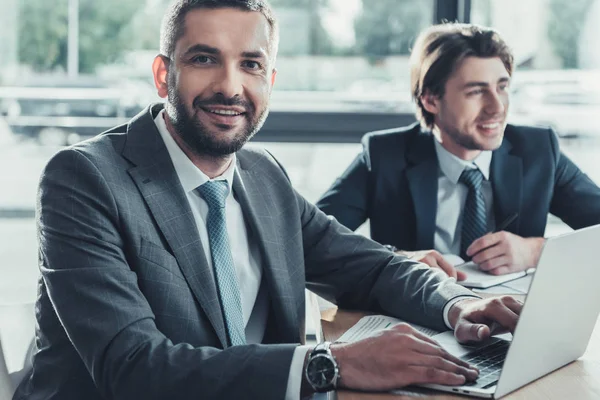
72	68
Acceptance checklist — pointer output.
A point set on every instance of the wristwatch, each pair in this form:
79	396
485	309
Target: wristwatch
322	371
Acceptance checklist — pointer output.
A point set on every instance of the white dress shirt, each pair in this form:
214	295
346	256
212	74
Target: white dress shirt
244	249
452	195
451	198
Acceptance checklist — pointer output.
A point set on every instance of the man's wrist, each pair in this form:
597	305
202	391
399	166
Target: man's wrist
321	370
337	350
305	389
536	245
457	308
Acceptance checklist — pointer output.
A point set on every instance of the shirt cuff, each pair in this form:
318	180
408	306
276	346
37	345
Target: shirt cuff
294	382
449	305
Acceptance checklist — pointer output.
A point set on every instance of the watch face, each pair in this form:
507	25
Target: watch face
320	371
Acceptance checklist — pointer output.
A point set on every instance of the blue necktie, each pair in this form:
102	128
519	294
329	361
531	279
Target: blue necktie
474	224
215	193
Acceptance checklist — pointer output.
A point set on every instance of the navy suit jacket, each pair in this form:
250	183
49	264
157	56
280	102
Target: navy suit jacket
393	183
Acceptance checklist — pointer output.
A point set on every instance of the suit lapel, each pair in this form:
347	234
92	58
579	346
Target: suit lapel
506	175
158	183
253	194
423	183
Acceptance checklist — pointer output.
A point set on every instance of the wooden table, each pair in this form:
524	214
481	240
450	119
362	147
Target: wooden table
579	380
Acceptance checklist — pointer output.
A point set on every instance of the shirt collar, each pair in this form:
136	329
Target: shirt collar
452	166
190	176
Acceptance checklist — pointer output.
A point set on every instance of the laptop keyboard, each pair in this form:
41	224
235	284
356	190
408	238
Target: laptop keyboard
489	360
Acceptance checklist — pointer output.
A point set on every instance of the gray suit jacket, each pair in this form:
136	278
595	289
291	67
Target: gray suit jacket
128	308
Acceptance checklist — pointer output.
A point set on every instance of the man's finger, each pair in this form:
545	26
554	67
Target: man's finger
423	344
471	332
489	253
429	260
501	270
434	349
448	365
421	375
461	275
494	263
513	304
491	239
498	312
445	265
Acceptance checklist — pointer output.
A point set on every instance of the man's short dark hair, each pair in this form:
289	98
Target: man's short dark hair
439	49
173	23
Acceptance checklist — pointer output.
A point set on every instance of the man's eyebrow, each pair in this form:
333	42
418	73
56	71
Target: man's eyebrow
468	85
201	48
475	84
254	54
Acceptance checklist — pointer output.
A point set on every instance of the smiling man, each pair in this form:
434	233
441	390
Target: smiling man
442	186
174	261
204	90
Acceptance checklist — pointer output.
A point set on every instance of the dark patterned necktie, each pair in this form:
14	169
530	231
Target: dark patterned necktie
215	193
474	223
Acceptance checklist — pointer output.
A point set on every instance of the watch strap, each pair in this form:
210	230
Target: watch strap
321	349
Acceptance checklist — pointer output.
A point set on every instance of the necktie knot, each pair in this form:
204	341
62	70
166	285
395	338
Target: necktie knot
472	177
214	193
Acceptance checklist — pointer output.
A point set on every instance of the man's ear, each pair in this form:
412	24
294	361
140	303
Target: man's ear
160	70
273	75
430	102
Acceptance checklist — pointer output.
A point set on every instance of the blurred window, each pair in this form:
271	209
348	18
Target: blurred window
353	53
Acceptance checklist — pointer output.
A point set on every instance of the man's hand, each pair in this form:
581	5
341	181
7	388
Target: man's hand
435	260
504	252
474	320
398	357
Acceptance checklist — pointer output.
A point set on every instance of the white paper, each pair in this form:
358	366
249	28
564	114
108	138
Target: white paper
480	279
371	324
521	284
453	259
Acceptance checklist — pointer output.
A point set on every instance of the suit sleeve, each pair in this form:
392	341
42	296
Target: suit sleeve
348	198
106	317
576	198
358	273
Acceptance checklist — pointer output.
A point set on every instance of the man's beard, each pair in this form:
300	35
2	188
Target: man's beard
462	140
197	137
466	141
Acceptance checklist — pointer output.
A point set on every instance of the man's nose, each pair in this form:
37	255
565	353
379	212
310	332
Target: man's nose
228	82
496	104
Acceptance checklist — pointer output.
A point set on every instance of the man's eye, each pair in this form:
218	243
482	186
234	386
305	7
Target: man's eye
201	60
255	65
474	92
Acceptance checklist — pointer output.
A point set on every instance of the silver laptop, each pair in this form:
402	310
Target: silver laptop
555	324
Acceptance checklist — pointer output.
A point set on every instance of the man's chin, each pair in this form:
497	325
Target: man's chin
222	147
481	142
492	143
482	145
